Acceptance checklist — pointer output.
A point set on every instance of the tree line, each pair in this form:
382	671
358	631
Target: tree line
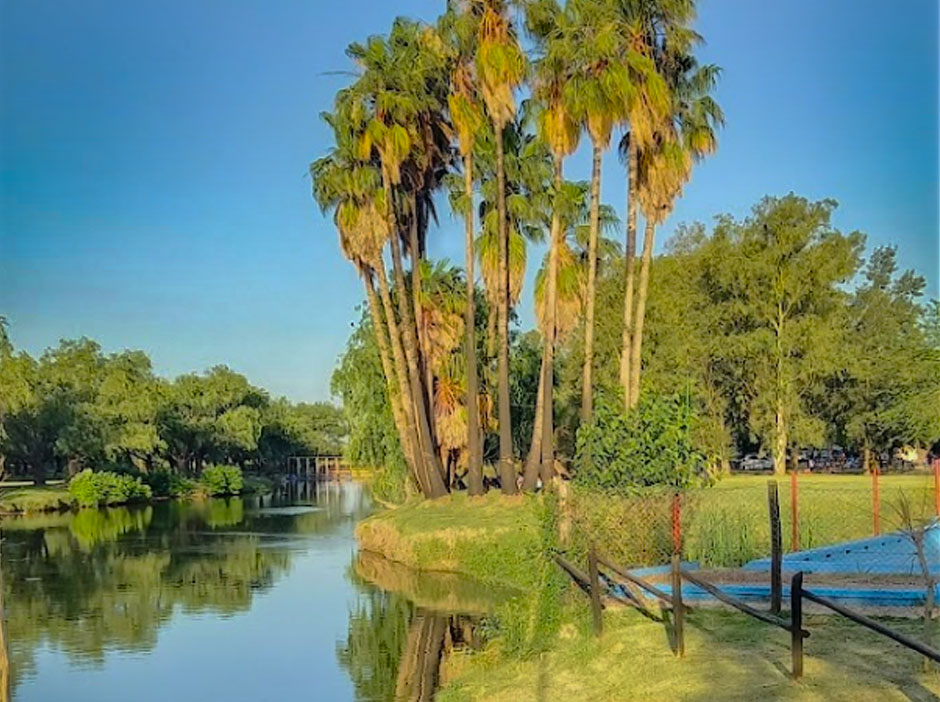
753	323
75	407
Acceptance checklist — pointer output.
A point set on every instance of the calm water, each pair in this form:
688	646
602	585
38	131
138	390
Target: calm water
225	600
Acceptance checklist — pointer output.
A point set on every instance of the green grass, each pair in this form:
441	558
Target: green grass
729	657
34	499
494	539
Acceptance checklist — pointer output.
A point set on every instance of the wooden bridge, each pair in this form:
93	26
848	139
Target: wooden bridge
317	467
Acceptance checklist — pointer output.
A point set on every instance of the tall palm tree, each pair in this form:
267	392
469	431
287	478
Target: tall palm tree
386	103
467	118
610	79
559	130
689	136
501	66
649	29
351	189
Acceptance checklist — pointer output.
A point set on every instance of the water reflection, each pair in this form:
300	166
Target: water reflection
95	581
406	625
97	587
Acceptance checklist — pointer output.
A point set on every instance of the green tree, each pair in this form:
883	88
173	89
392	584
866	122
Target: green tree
776	279
888	392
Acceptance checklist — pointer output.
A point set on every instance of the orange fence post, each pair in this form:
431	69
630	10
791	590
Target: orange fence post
875	501
794	512
676	523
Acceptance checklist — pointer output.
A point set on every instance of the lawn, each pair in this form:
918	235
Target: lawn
729	657
727	524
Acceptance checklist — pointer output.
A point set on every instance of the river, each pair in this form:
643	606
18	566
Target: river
254	599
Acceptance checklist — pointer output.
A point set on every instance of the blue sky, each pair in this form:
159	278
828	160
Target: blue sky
153	160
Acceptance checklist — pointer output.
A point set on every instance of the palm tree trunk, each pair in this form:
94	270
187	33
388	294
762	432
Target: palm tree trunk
424	353
630	271
507	473
391	380
587	385
474	447
548	352
530	473
410	343
636	349
401	370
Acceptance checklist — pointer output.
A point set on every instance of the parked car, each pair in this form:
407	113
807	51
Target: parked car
755	462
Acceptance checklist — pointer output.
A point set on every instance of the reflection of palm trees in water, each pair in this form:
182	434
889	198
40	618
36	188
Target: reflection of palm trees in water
431	638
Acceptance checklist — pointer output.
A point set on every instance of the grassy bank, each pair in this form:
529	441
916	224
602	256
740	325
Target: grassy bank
494	539
28	500
35	499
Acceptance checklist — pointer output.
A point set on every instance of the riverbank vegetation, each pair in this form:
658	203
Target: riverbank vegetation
76	408
767	333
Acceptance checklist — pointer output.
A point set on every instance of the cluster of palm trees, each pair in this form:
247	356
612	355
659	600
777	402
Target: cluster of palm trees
436	108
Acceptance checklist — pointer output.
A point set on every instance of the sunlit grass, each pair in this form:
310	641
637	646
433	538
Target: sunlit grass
729	657
33	499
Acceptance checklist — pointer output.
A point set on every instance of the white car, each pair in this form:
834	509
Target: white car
754	462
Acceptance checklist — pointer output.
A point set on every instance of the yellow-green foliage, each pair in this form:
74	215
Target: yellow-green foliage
729	657
34	499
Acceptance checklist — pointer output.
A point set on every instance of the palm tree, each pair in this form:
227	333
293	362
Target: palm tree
610	80
500	66
648	29
664	168
559	130
350	188
467	118
386	104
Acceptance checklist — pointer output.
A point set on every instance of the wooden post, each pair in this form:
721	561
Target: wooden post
794	512
595	592
676	523
776	546
936	485
796	624
875	501
677	613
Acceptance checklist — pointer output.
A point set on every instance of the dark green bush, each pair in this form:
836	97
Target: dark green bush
166	483
222	480
651	445
92	489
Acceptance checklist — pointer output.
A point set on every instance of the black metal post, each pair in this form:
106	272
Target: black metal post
595	592
677	613
776	546
796	624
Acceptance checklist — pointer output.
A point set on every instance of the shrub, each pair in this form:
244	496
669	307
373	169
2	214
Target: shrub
91	489
222	480
651	445
166	483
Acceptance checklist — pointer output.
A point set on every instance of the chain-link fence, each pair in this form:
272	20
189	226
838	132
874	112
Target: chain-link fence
727	525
